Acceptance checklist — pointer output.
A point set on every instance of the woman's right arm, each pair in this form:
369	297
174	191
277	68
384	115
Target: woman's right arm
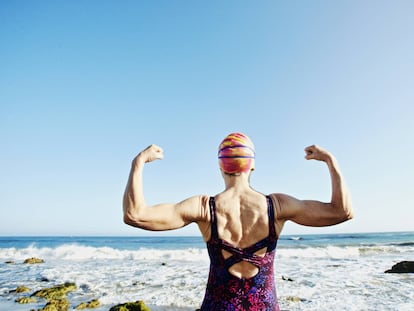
159	217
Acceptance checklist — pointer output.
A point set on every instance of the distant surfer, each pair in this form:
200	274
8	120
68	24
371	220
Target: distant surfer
239	225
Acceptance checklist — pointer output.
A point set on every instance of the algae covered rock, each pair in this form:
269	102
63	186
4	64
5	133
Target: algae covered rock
56	305
131	306
402	267
20	289
88	305
81	306
55	292
294	299
33	260
93	304
24	300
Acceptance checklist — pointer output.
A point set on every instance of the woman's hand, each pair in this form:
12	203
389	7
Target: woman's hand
149	154
315	152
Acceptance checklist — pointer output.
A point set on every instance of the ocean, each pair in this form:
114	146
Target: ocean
312	272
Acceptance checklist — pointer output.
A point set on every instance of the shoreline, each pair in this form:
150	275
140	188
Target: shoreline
310	273
164	235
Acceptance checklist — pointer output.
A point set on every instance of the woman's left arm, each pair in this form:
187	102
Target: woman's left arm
315	213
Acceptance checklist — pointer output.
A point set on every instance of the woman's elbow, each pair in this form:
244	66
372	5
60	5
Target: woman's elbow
128	219
343	212
132	214
132	220
137	221
348	213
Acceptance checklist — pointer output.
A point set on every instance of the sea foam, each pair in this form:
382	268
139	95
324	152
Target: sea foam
324	276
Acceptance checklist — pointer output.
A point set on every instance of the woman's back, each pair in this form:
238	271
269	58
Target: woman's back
241	216
242	221
241	249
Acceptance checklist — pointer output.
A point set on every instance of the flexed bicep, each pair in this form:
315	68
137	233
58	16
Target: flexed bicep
307	212
169	216
316	213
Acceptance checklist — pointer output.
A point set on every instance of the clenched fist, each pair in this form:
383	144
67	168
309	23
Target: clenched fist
149	154
315	152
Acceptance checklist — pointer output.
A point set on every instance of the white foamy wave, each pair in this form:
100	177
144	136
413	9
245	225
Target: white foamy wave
76	252
323	277
333	252
81	253
340	252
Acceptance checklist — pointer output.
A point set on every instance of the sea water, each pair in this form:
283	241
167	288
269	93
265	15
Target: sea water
312	272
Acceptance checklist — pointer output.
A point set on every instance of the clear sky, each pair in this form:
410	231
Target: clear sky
85	85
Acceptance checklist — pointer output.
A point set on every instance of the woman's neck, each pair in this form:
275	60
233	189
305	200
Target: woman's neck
240	181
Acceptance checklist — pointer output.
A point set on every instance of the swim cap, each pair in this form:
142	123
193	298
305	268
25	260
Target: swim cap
236	154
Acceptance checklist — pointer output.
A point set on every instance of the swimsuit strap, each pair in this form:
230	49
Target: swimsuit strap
213	219
271	213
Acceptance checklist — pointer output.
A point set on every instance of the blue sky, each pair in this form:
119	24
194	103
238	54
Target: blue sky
85	85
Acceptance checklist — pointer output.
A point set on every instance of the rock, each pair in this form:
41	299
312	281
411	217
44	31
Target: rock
285	278
55	292
402	267
81	306
24	300
33	260
20	289
9	262
89	305
294	299
56	305
93	304
131	306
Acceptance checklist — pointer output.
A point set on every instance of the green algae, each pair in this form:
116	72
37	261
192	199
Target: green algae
24	300
56	305
93	304
131	306
33	260
81	306
55	292
294	299
89	305
56	297
20	289
57	301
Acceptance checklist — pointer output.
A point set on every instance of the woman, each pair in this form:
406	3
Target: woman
240	225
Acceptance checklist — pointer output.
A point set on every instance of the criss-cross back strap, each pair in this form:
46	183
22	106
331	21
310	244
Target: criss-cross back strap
239	254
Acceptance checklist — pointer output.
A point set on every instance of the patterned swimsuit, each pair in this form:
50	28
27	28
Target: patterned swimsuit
226	292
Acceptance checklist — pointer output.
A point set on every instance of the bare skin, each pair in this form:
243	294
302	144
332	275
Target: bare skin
242	217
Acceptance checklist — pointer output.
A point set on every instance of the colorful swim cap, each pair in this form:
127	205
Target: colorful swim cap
236	154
